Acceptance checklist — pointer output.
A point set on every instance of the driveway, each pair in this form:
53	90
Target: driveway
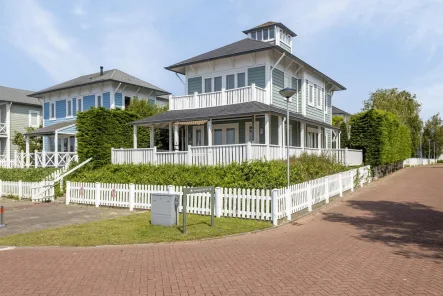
384	239
24	216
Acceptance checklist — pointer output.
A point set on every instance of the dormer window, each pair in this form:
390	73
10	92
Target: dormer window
263	35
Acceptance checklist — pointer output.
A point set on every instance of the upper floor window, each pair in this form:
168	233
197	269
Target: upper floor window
241	79
99	102
254	35
34	118
230	81
265	34
319	97
52	110
208	85
79	105
311	94
271	33
69	108
259	35
218	83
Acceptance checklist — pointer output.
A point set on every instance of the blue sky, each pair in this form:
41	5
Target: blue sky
363	44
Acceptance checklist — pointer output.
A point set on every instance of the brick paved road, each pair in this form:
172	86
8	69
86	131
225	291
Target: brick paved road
385	239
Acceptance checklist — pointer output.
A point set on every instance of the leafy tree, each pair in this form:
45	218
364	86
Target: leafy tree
344	136
336	120
35	143
433	132
143	109
404	105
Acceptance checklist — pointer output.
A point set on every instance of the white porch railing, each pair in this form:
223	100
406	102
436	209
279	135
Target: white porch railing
226	154
219	98
38	159
3	129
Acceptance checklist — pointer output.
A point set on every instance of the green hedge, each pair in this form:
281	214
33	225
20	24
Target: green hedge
257	174
382	137
26	175
99	130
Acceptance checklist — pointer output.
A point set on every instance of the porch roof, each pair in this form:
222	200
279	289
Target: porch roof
227	111
50	130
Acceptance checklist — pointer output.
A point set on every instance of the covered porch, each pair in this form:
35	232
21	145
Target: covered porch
233	133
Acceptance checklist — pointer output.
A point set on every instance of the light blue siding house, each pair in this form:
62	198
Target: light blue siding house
232	98
109	89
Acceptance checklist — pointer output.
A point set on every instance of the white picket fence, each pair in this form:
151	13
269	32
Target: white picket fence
257	204
418	161
40	191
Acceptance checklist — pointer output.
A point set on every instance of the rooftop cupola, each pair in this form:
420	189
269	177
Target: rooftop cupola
274	33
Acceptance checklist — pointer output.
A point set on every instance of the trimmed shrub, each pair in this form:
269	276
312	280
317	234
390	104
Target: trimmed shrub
256	174
344	135
382	137
26	175
99	130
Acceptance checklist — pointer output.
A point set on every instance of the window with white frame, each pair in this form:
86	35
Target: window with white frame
263	35
218	83
241	79
79	105
69	108
34	118
252	134
198	138
325	98
311	94
52	110
230	81
208	85
225	134
312	138
98	101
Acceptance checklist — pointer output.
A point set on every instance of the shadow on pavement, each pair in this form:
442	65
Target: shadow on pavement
413	229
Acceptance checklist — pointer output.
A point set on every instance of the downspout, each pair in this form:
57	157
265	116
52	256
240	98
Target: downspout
272	69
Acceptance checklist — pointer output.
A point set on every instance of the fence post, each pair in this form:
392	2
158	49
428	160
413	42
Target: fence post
56	159
43	160
288	204
97	194
340	184
189	155
254	93
218	202
131	196
223	97
274	198
20	189
154	155
352	180
248	151
309	194
195	100
327	189
68	192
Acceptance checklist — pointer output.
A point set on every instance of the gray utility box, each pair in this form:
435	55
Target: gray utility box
164	209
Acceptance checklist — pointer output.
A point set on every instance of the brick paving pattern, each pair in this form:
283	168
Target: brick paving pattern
385	239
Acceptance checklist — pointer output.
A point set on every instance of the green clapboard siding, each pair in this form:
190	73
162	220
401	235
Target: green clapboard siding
277	85
257	75
194	85
297	97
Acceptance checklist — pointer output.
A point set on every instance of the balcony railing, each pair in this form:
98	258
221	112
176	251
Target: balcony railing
226	154
3	129
19	159
220	98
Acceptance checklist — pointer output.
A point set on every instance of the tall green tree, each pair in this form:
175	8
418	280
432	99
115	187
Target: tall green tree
337	120
143	109
404	105
433	133
344	135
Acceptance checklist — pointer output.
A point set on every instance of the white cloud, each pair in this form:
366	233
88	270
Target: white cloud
78	9
35	31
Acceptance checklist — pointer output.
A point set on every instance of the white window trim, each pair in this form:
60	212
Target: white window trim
325	101
52	104
256	131
69	101
212	85
96	99
30	118
224	127
194	132
77	107
311	91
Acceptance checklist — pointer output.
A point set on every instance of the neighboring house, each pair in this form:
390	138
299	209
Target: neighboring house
61	103
18	111
339	112
230	87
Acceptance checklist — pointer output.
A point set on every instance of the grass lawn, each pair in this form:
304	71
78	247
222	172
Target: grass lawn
132	229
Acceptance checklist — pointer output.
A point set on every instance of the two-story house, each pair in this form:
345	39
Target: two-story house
232	98
61	103
17	113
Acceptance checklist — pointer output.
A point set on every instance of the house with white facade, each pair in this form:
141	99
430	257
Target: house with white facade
232	109
62	102
17	113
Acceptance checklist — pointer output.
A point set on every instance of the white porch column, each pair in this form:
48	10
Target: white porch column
319	138
135	137
280	135
28	156
56	149
210	132
176	141
151	137
8	134
302	135
267	142
170	136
